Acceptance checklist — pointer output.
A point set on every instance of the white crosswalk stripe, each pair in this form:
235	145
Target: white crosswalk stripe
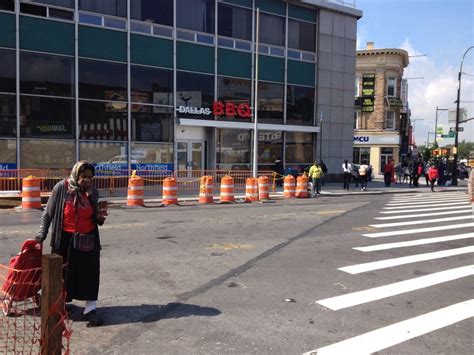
448	200
438	204
418	230
397	333
427	209
404	216
421	221
429	197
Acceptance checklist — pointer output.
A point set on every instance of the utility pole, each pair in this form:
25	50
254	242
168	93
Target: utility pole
255	105
321	137
436	123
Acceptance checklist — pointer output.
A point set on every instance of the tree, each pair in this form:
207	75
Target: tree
464	149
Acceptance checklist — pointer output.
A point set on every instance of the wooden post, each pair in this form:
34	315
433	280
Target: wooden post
51	304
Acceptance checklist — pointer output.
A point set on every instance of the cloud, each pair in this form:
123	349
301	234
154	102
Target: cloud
437	88
361	38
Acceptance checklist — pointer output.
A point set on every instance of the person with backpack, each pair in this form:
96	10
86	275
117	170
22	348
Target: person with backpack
347	171
363	175
73	213
315	173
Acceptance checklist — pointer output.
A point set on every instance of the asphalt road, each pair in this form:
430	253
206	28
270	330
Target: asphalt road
247	278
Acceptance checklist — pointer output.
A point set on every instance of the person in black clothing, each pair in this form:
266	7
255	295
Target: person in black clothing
324	168
278	168
347	171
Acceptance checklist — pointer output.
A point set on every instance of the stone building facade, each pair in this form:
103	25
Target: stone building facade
381	119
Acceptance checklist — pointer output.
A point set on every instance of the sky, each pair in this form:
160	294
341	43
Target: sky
440	29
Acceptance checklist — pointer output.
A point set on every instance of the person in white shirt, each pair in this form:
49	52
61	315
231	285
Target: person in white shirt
363	172
347	171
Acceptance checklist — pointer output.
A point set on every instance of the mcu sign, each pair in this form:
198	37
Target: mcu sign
361	139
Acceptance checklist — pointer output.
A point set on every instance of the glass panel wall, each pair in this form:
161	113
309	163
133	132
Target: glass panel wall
270	148
235	22
102	80
299	148
195	95
7	154
155	11
152	123
233	149
301	35
7	115
7	5
236	91
152	85
7	70
43	117
147	153
43	74
60	3
299	105
196	15
45	153
107	7
270	103
272	29
104	153
103	120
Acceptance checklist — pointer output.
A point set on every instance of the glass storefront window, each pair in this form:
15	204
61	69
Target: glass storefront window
300	105
107	7
103	120
43	74
235	22
301	35
237	91
7	154
152	123
233	148
145	153
7	115
270	103
299	148
42	117
7	5
196	15
7	71
270	146
194	95
272	29
102	80
60	3
155	11
152	85
47	153
361	155
104	153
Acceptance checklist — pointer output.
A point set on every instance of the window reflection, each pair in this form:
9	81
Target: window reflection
195	94
233	147
270	103
299	148
272	29
156	11
270	146
7	151
300	105
152	123
301	35
197	15
44	153
102	80
7	116
103	120
234	90
107	7
235	22
152	85
7	70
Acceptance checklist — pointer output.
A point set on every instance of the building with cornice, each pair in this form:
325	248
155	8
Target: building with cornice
381	120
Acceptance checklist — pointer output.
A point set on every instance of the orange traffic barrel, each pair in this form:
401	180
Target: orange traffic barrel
289	186
205	189
263	188
31	193
302	186
135	191
251	189
227	189
170	191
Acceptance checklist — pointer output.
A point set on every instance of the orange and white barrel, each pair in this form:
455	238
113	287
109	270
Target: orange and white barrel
31	193
289	186
227	189
170	191
302	186
263	188
135	191
206	187
251	189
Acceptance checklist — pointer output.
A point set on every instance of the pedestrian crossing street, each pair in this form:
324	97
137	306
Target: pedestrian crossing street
448	216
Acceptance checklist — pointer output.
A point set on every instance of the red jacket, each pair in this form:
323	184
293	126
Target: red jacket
388	168
433	173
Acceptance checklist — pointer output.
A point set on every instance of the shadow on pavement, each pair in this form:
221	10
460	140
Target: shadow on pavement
145	313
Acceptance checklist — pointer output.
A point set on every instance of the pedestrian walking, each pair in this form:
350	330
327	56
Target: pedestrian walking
426	170
387	173
316	173
278	168
399	172
363	175
347	171
73	213
324	168
433	175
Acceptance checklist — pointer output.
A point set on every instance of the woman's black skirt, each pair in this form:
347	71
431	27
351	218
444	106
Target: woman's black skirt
81	272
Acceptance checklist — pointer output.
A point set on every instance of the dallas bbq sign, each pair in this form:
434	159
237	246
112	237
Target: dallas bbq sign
219	108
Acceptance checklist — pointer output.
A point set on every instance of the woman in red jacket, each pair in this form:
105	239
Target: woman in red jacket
433	175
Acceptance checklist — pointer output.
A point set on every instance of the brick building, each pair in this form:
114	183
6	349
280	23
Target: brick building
381	120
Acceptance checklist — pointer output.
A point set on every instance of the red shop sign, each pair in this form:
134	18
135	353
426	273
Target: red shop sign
230	109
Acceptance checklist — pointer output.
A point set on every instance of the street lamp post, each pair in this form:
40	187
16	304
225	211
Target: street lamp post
321	137
436	123
454	180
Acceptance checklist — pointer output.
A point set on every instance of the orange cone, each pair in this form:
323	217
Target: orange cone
302	186
135	191
170	191
251	189
31	193
263	188
227	189
289	187
205	190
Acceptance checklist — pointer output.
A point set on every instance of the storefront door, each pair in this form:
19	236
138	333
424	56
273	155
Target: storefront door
386	154
190	158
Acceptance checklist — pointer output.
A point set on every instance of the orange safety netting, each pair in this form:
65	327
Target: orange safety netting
20	319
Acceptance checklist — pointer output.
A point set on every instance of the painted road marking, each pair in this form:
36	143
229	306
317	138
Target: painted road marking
418	230
421	221
331	212
383	264
410	243
400	332
427	209
424	215
428	196
412	203
365	228
229	246
440	204
397	288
